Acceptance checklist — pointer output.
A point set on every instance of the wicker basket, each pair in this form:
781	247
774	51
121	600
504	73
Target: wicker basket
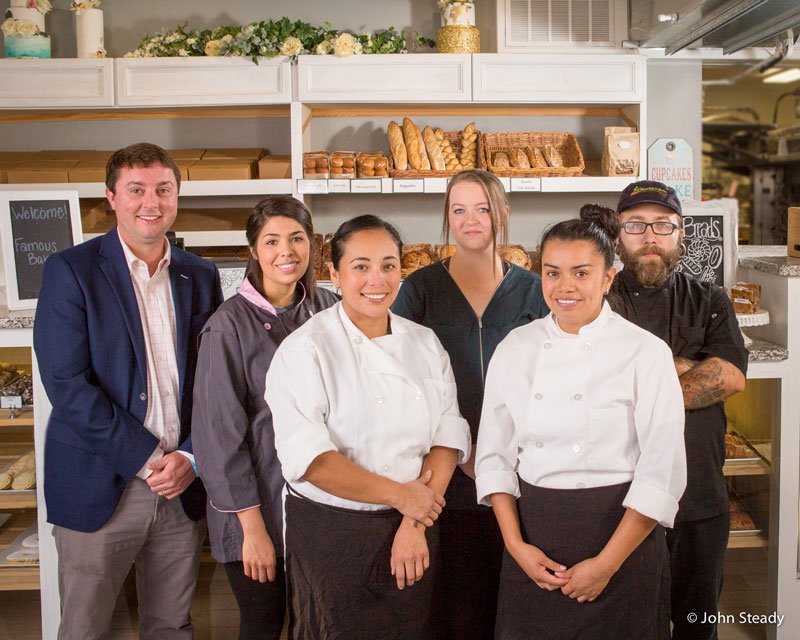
565	143
454	137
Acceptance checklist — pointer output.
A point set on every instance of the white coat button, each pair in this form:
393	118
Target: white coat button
547	345
538	396
358	340
379	399
418	396
386	467
581	485
577	396
539	444
576	448
587	347
142	397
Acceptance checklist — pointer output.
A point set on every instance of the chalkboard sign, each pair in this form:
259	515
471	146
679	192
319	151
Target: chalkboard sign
710	234
34	225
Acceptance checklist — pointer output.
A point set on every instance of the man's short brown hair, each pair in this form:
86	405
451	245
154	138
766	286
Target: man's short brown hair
141	154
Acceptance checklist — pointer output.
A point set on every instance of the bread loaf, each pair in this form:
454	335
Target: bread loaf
398	147
469	147
501	160
416	256
520	159
415	151
552	156
450	157
537	158
434	149
515	254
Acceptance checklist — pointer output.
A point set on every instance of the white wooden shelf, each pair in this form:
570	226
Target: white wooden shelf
202	238
188	187
57	83
580	184
147	82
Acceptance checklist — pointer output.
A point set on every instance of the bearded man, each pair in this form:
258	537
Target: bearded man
698	322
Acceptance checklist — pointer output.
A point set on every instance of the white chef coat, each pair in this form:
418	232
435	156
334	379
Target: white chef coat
382	403
592	409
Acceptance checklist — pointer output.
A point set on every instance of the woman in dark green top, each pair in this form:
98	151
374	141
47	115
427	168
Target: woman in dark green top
471	300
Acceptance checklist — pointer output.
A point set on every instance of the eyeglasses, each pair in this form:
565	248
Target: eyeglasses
661	228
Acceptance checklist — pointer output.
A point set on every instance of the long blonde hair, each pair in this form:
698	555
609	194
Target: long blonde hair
495	194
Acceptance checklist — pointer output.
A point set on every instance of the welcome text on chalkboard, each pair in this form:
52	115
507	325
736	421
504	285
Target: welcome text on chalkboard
35	225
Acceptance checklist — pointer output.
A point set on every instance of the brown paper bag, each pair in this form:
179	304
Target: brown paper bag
620	152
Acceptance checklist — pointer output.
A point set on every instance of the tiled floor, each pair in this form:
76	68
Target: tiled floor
216	616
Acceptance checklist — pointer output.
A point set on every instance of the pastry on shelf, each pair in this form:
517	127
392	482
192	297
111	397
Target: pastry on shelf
21	474
444	251
316	165
515	254
343	165
737	447
416	256
746	297
741	521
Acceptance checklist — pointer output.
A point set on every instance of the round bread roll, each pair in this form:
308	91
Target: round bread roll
348	162
515	254
309	163
337	162
5	481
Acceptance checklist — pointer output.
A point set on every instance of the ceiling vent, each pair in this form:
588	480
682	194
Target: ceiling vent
536	24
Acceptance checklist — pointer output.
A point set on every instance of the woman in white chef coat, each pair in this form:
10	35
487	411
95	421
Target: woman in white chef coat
580	453
368	433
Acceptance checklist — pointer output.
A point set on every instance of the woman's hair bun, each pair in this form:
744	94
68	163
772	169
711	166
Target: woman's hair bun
603	217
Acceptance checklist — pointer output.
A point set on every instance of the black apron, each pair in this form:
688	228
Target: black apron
571	525
338	577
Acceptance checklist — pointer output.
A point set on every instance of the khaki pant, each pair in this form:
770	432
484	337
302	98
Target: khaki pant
146	530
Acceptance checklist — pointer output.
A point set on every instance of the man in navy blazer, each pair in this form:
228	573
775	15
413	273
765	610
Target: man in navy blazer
115	337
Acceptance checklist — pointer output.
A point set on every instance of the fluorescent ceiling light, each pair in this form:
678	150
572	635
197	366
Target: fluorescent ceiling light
788	75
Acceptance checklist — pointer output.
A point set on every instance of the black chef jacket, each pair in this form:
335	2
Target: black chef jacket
697	321
431	297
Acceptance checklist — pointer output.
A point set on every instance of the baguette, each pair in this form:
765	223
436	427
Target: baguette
411	136
434	149
398	147
426	164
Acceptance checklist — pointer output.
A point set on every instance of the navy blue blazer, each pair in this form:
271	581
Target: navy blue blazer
90	349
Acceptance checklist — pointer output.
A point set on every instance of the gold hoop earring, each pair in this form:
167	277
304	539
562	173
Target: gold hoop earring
682	249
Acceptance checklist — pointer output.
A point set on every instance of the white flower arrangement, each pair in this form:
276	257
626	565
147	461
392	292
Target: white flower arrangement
271	38
20	27
42	6
291	46
79	6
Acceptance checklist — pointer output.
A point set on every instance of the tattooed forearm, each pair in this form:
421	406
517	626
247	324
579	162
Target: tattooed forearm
683	365
711	381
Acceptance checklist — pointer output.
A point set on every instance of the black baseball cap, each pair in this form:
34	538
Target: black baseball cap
649	192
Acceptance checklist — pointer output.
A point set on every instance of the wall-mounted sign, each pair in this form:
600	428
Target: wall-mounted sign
671	161
33	226
711	233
